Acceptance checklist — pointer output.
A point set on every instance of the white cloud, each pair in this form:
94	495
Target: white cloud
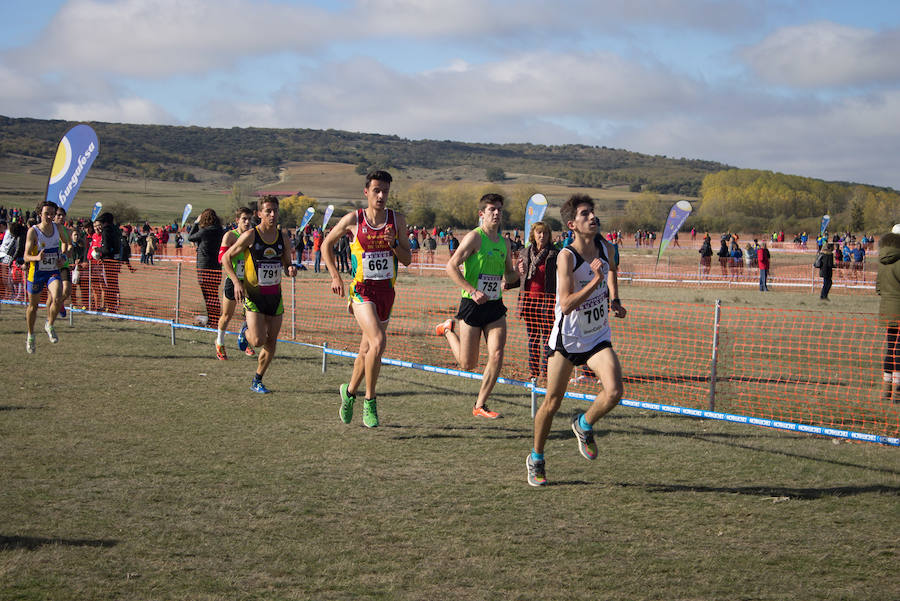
827	54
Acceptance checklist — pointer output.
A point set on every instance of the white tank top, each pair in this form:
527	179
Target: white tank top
587	325
50	246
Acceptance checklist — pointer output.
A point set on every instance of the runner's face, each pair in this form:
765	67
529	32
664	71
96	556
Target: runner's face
268	214
377	194
490	214
47	214
243	222
60	216
584	223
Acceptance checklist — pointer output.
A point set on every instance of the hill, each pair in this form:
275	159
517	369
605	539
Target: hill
179	153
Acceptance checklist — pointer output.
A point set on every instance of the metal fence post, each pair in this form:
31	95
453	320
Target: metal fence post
177	294
533	398
90	290
324	356
715	357
294	308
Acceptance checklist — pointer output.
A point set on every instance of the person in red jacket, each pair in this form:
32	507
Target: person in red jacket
762	259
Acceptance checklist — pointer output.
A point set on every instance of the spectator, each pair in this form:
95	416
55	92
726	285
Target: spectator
825	264
317	251
537	269
151	248
762	260
723	255
207	234
110	251
706	254
887	286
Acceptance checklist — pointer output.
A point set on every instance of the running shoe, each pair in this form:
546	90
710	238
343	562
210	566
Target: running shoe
536	474
242	337
221	355
370	413
586	445
29	344
51	332
443	327
259	387
250	352
62	311
483	411
347	401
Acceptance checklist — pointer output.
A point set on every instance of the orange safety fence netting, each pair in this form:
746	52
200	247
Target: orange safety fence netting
805	367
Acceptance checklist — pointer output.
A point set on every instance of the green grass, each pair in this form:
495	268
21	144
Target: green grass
134	469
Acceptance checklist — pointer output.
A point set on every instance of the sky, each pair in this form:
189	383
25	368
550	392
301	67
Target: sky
809	88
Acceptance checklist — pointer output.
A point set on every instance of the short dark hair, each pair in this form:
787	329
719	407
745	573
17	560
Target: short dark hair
243	211
379	175
570	207
46	203
265	199
490	199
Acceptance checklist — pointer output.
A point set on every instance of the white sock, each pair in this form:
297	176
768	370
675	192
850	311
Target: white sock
220	337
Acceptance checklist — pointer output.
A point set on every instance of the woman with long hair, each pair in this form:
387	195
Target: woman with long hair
207	234
537	268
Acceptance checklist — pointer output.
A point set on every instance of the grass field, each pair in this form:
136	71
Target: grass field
134	469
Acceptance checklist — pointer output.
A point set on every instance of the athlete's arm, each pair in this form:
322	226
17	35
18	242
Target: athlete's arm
227	240
612	282
470	245
511	271
401	249
286	264
346	224
29	255
242	244
565	268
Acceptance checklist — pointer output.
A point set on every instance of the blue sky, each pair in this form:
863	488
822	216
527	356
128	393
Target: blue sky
810	88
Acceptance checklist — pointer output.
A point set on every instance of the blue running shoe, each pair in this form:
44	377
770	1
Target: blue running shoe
62	311
259	387
242	337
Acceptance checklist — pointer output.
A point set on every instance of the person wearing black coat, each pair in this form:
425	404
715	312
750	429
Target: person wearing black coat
207	234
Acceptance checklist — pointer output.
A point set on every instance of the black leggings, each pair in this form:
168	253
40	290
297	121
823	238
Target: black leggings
892	353
209	280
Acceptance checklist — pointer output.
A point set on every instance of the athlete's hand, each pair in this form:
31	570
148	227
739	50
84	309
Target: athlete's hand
390	236
597	268
292	271
239	293
479	297
337	285
617	308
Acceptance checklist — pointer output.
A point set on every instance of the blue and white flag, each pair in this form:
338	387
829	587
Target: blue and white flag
98	206
328	211
826	219
534	212
187	211
677	214
74	156
309	214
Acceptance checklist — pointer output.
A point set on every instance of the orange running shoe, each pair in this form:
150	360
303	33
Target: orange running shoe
250	352
220	353
444	326
483	411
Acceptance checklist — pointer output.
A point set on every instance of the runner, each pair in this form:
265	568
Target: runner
379	244
42	255
242	217
585	281
266	254
485	258
65	267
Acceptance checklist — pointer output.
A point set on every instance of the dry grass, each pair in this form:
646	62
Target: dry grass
134	469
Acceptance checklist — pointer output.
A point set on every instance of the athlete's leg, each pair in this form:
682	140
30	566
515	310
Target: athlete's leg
559	369
31	311
464	345
608	369
371	348
495	333
267	353
54	299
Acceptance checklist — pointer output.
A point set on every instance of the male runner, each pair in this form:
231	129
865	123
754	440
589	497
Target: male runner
243	217
586	278
42	254
486	258
379	245
267	253
65	268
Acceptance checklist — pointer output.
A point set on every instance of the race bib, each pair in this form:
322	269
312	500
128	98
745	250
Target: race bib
378	265
239	270
269	273
592	316
490	285
48	261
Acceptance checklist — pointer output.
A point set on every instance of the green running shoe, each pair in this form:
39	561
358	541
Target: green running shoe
370	413
347	401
